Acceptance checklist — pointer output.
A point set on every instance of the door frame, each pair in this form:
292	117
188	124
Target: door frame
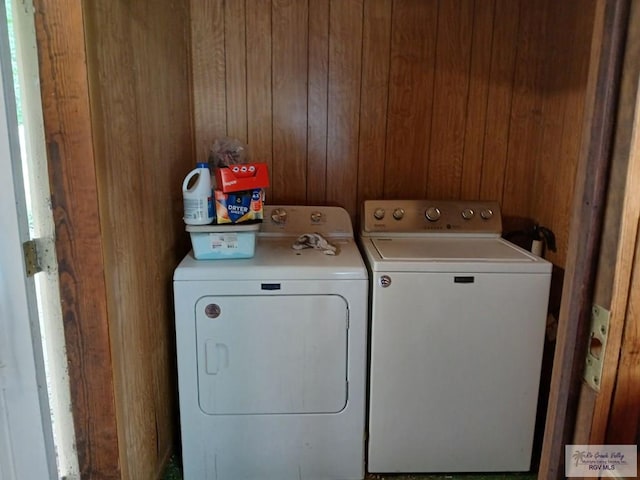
607	416
603	88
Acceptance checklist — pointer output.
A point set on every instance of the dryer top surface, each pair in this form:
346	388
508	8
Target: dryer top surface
275	259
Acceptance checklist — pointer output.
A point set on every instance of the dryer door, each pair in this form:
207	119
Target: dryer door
272	354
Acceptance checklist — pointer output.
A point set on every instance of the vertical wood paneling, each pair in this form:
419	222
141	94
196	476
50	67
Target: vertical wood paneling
259	124
497	125
453	53
120	242
130	339
574	75
318	102
236	69
350	100
345	54
477	99
562	83
163	143
209	77
553	108
525	119
138	54
289	73
413	42
376	46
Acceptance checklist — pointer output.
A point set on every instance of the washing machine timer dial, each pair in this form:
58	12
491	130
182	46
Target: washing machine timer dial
316	217
378	214
432	214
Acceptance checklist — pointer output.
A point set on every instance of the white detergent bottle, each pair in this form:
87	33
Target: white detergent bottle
197	198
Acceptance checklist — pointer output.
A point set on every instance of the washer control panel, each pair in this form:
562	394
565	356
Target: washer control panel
431	216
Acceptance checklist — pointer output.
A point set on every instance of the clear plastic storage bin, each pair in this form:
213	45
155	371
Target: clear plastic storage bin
216	242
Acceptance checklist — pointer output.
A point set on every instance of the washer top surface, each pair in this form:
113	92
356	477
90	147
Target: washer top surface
449	250
447	236
274	257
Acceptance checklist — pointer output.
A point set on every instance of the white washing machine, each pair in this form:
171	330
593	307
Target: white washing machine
457	330
272	355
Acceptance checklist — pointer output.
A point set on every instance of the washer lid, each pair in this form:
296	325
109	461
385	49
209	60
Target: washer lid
450	249
442	253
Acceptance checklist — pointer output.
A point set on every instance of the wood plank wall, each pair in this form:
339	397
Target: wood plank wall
138	61
348	100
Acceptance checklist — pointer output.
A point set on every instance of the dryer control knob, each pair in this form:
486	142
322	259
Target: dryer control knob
316	217
279	216
467	214
486	214
432	214
398	213
378	213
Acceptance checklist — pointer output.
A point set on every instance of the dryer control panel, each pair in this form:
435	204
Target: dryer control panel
431	216
293	220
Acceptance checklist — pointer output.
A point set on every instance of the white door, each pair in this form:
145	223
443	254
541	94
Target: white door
26	443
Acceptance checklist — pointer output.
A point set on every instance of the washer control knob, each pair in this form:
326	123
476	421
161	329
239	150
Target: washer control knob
379	213
398	213
316	217
432	214
279	216
486	214
467	214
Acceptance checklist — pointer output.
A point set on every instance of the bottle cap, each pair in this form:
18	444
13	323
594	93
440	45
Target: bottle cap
202	165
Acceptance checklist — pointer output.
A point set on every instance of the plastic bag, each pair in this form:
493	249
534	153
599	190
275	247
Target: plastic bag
226	152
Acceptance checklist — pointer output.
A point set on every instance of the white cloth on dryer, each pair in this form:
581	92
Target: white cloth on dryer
315	241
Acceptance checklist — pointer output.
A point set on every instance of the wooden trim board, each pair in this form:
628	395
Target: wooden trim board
590	192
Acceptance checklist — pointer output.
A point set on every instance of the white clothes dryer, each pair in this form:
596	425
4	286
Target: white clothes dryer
457	331
272	355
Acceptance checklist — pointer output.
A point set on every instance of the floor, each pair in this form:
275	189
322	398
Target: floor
173	473
505	476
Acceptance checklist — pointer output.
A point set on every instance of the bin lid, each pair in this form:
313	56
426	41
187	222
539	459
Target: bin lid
224	227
